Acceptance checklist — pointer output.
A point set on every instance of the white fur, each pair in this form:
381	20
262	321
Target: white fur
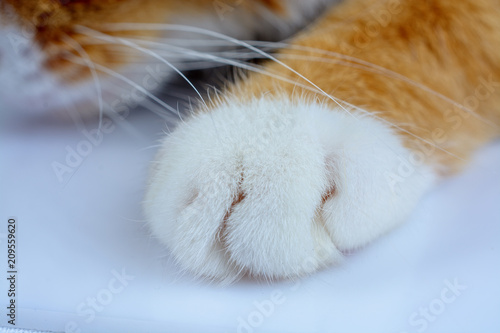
25	85
282	156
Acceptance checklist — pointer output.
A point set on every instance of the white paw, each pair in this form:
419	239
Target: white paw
276	188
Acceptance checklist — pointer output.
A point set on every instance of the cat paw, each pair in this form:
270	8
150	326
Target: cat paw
276	188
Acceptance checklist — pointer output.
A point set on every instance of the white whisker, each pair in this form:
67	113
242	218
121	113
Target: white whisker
380	70
176	27
129	82
100	35
384	71
90	64
345	106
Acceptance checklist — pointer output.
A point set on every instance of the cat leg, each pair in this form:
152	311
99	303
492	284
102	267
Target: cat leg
289	183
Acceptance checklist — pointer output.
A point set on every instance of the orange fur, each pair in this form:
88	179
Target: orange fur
451	47
53	19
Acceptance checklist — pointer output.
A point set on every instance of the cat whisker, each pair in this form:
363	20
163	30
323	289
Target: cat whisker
127	81
147	51
342	104
150	147
254	68
169	47
99	35
155	108
400	128
176	27
383	71
373	69
172	45
379	70
91	66
260	69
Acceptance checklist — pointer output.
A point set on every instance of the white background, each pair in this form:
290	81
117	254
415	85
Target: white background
74	235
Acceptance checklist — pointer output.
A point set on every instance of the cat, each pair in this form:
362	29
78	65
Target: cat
320	149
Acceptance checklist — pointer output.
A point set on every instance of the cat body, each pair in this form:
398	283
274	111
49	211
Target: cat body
321	149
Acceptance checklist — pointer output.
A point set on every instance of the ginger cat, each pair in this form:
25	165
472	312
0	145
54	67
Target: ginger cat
322	148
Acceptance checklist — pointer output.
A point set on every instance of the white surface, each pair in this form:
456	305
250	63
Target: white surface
73	234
